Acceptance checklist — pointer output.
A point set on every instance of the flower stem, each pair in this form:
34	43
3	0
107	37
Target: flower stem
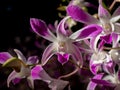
112	5
70	74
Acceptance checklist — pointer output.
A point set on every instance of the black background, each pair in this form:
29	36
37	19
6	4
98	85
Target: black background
15	16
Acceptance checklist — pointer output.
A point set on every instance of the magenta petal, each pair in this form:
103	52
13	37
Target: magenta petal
35	72
61	28
63	58
51	27
109	67
115	39
107	38
103	82
76	55
4	56
87	32
58	84
116	15
16	80
80	15
30	81
103	13
94	67
41	29
94	42
92	85
11	77
32	60
90	31
101	44
47	54
39	73
20	55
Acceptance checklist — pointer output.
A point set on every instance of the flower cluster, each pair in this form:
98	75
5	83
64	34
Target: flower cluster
93	51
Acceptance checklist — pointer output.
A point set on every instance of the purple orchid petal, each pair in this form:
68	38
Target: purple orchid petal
117	28
107	38
116	15
76	54
58	84
94	42
87	32
20	55
94	67
101	44
109	67
48	53
92	85
80	15
39	73
115	39
32	60
63	58
41	29
4	56
61	32
51	27
11	77
16	80
36	71
103	82
103	14
30	81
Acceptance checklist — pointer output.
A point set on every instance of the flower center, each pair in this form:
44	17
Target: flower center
99	57
62	46
107	28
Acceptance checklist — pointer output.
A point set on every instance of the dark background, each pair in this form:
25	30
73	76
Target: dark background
15	16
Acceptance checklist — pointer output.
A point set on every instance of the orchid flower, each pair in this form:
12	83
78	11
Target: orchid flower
38	73
110	80
101	57
106	20
98	60
114	79
63	43
21	66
